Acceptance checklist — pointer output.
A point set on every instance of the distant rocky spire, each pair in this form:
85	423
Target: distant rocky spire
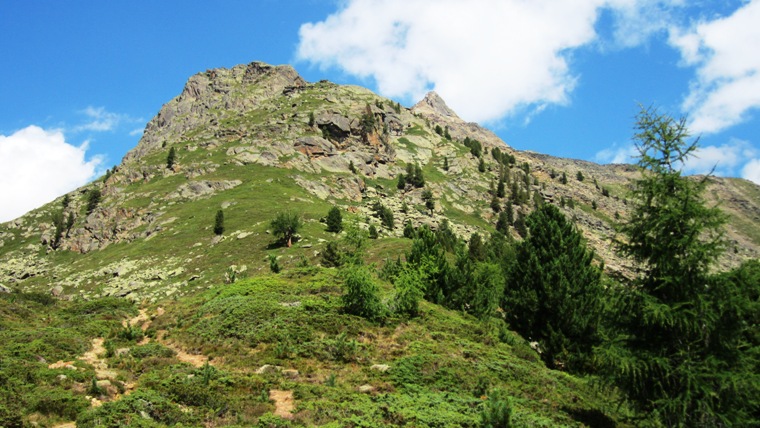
433	103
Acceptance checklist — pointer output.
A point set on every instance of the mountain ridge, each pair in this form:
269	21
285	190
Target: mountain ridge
247	127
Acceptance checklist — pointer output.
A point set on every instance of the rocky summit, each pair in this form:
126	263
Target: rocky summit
257	139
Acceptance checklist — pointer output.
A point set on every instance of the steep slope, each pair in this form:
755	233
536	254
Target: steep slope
256	140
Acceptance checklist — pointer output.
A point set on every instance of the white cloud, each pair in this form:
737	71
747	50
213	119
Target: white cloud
37	166
617	154
635	21
101	120
487	58
727	84
751	171
724	158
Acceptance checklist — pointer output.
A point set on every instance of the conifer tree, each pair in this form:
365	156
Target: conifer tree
554	294
219	223
334	220
171	158
500	190
93	199
674	355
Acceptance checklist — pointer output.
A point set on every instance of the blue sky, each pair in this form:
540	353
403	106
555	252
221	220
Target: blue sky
564	77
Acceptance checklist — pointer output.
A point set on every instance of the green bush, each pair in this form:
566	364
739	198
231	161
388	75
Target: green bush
497	411
132	410
152	349
362	295
59	402
410	289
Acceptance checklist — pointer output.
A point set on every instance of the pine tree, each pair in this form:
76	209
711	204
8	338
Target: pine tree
171	158
427	196
554	294
445	164
500	190
372	231
674	355
219	223
93	200
401	183
334	220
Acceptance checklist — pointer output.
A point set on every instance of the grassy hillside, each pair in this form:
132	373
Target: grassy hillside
442	367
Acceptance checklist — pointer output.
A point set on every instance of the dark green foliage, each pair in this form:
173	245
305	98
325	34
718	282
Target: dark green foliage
410	289
445	164
391	269
131	411
476	148
361	294
476	249
171	158
446	134
367	121
69	223
59	227
497	411
409	231
439	130
66	201
427	196
487	290
579	176
520	227
93	199
372	231
563	179
334	220
352	167
554	295
286	225
677	351
414	176
401	183
219	223
312	121
385	215
502	223
274	265
59	402
500	189
331	256
495	204
482	165
593	205
605	192
510	211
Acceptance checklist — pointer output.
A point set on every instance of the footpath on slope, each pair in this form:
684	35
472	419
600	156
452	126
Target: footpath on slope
283	400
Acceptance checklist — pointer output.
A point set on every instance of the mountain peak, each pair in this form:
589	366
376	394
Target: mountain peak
434	104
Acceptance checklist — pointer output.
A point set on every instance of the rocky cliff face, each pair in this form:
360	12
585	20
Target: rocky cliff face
257	139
